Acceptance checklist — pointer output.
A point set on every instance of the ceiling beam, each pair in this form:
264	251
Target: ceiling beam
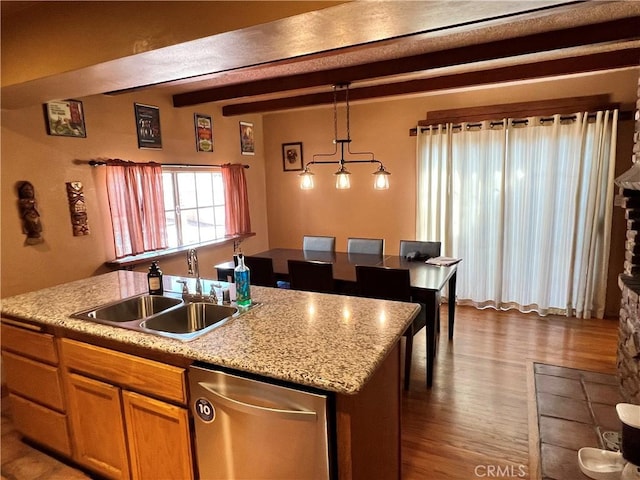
610	31
587	63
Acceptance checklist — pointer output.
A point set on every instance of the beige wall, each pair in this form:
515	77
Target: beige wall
281	212
48	162
383	127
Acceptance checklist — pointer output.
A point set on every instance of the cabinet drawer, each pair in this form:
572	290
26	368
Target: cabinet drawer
34	344
135	373
34	380
40	424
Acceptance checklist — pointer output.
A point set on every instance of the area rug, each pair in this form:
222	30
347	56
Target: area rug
569	409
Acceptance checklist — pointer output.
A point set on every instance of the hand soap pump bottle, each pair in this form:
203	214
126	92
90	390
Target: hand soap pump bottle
154	279
241	277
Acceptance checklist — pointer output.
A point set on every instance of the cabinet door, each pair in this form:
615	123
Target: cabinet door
97	424
159	441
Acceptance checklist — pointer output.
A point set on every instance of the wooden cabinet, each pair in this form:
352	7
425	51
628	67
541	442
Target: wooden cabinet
97	426
33	378
119	429
164	427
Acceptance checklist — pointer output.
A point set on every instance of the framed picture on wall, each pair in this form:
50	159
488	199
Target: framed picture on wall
148	126
292	160
65	118
247	142
204	132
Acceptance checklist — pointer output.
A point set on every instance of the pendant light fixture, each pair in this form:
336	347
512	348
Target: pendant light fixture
343	181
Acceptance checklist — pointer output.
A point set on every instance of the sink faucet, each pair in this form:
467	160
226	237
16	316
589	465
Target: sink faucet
198	297
193	269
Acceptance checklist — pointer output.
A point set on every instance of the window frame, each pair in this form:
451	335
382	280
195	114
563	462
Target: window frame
129	262
179	240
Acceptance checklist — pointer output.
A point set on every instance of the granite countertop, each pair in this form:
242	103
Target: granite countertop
331	342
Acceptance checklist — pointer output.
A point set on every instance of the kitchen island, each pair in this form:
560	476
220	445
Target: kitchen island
346	346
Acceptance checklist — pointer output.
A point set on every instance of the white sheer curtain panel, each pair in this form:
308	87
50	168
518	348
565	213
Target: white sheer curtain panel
527	205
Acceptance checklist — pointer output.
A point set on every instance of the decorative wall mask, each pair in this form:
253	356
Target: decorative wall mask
77	208
29	213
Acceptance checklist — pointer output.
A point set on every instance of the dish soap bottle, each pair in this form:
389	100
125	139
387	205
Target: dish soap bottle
154	279
241	275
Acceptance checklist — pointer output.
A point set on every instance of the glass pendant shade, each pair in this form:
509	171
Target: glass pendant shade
343	181
306	180
381	179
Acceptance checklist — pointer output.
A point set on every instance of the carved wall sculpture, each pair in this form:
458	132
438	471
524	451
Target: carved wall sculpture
77	208
29	213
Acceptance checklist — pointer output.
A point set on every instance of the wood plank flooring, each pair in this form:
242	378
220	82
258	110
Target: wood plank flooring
473	423
474	420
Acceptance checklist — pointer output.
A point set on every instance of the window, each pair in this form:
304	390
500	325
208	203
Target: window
194	205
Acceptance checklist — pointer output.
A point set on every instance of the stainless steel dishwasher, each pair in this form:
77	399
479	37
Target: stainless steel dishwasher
249	429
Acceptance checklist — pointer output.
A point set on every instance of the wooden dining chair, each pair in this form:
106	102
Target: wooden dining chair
311	276
319	243
260	271
392	284
371	246
424	249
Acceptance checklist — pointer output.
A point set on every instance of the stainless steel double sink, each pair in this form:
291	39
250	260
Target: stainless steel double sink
162	315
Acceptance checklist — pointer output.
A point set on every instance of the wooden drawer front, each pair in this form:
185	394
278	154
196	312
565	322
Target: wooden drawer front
135	373
40	346
40	424
34	380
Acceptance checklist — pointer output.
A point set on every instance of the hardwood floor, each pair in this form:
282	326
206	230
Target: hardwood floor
474	419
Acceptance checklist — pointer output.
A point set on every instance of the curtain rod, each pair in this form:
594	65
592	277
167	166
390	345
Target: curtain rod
97	163
542	119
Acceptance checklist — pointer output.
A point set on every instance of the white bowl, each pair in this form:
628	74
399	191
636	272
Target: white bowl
629	414
600	464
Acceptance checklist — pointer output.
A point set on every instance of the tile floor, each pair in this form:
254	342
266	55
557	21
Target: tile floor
574	408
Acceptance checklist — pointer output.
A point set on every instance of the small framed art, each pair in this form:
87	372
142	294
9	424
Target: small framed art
204	132
65	118
148	126
292	160
247	142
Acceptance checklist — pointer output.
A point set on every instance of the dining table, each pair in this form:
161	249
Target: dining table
427	283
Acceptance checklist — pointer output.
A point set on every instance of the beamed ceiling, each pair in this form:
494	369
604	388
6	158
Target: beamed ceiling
537	44
382	48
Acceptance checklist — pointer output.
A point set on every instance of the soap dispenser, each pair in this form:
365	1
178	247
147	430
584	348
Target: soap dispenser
241	276
154	279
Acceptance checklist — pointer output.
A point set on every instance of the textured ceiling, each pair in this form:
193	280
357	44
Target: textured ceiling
351	37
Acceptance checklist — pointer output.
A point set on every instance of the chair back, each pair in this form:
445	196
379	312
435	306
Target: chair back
261	271
424	249
371	246
319	244
383	282
311	276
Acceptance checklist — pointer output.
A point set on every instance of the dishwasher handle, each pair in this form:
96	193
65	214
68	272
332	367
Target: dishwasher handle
251	409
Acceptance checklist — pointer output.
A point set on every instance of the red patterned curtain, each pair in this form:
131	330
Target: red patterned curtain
136	202
236	199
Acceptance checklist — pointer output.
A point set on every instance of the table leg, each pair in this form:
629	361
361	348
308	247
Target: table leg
452	303
431	314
